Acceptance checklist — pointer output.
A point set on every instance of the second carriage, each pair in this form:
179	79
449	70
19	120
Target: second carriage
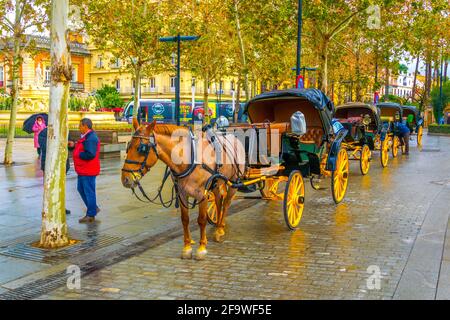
290	137
364	136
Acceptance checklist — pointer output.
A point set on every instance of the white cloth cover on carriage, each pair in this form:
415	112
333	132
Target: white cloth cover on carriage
298	123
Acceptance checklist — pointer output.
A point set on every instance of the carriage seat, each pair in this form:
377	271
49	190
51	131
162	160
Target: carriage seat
313	135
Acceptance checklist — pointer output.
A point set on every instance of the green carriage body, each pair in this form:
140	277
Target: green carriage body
298	154
351	116
417	120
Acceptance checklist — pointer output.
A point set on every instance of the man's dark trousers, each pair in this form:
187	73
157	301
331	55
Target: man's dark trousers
86	188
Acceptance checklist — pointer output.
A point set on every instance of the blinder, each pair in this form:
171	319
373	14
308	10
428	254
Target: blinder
143	149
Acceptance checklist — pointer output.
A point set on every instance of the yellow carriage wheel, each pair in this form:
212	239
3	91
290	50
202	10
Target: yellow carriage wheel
364	160
294	200
395	146
213	212
339	177
377	142
274	188
419	136
384	152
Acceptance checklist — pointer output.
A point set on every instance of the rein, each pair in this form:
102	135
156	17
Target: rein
144	148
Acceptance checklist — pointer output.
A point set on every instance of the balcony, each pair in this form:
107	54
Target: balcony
77	86
150	90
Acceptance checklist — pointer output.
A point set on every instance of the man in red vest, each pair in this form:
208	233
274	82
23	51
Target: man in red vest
87	166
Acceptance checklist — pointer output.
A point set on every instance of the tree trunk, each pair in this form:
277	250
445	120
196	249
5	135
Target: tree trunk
242	47
137	89
237	105
445	70
324	56
358	77
375	84
206	98
54	228
416	70
428	81
386	84
8	160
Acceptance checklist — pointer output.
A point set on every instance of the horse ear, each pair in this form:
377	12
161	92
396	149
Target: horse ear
151	127
135	123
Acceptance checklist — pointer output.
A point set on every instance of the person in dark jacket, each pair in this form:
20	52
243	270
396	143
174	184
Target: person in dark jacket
42	138
404	133
86	158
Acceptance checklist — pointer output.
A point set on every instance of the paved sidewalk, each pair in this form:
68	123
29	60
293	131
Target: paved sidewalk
394	218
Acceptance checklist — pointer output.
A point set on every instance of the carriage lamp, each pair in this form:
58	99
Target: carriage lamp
367	120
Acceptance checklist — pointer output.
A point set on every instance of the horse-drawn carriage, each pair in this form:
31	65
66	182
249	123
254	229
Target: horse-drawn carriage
296	149
290	137
363	124
391	115
416	123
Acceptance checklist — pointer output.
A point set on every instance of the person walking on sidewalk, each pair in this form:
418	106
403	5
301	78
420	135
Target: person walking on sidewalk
38	126
42	138
87	165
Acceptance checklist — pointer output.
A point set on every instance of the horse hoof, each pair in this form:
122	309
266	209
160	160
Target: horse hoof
186	254
220	231
218	237
201	253
192	242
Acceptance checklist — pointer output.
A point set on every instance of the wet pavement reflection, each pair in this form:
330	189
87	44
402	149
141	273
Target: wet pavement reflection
327	258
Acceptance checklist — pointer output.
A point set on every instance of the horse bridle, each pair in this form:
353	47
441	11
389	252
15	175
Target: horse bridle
144	149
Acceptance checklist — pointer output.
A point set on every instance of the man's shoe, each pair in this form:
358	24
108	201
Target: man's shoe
87	219
67	211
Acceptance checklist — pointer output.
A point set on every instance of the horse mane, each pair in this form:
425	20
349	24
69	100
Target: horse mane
167	129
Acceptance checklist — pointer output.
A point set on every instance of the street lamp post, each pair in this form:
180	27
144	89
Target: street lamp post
178	40
299	37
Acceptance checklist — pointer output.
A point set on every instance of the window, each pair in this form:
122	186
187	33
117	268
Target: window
75	73
152	83
48	74
116	63
2	75
173	59
193	82
99	62
173	82
117	83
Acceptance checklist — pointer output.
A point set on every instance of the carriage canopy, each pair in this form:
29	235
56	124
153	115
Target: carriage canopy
358	110
389	109
407	110
279	106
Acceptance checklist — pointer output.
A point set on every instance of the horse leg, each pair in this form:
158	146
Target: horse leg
187	249
220	230
202	219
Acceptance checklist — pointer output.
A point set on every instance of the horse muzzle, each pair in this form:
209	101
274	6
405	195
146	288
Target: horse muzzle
130	181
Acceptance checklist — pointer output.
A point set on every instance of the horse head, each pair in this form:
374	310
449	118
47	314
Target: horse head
142	154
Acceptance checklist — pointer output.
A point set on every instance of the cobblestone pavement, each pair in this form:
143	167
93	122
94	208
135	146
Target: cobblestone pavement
378	224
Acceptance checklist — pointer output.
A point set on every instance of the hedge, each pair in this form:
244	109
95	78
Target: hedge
120	127
443	128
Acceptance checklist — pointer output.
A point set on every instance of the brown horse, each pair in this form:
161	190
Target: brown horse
173	146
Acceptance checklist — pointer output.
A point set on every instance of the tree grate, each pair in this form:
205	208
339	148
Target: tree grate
48	284
87	242
430	150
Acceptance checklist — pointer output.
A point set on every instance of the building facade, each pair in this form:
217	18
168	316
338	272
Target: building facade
402	85
93	68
